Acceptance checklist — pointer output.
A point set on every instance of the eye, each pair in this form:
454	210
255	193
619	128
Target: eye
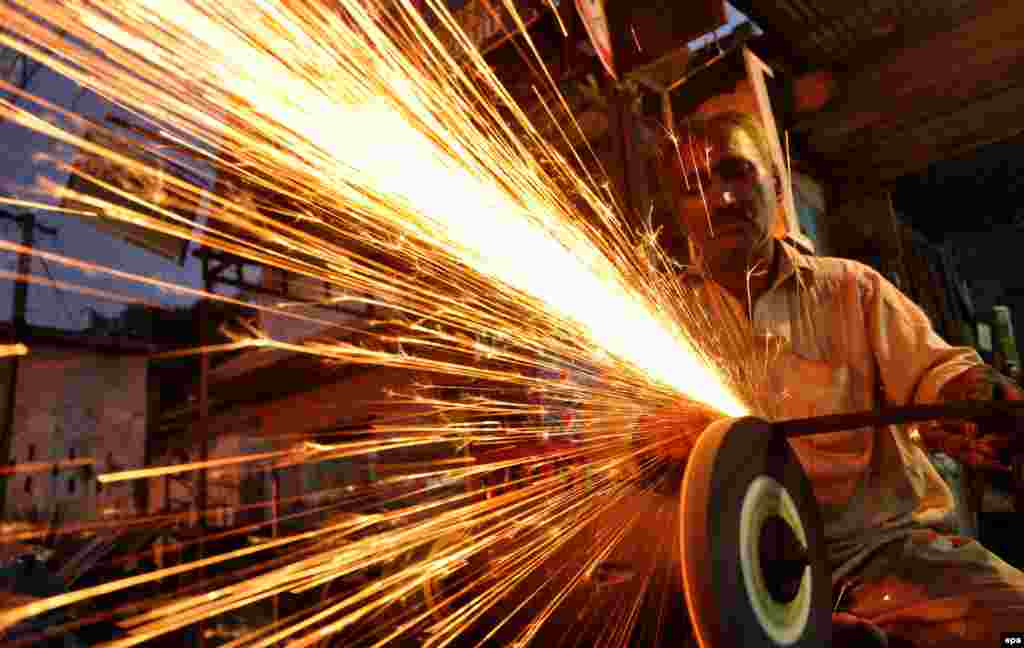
733	169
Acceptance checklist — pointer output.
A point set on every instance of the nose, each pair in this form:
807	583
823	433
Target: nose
721	195
726	192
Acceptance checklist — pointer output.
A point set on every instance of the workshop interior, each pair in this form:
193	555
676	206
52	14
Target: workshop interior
472	323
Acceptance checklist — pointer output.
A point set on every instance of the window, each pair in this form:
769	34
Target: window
733	17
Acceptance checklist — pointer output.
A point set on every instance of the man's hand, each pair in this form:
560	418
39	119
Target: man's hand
964	441
849	631
671	432
982	383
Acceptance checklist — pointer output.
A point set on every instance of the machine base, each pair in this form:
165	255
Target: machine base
752	542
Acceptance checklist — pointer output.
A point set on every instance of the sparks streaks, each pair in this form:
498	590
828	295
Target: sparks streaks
352	148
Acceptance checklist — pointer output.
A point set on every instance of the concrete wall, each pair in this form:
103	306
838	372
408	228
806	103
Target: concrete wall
226	485
282	424
72	404
368	394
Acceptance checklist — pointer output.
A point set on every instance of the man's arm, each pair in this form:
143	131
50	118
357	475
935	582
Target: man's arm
917	366
982	383
965	441
914	363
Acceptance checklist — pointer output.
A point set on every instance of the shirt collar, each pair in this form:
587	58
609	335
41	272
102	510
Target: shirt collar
791	262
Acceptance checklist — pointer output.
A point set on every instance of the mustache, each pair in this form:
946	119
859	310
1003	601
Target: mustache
735	214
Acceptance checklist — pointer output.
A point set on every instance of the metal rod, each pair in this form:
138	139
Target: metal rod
900	415
275	512
202	495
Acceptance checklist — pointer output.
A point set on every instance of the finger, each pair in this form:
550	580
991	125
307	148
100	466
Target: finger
1012	391
996	443
978	460
989	458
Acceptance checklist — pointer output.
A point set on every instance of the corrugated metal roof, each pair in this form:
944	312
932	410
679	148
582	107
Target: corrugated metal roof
928	93
827	32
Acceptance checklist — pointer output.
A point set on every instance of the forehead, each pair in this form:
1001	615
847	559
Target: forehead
721	140
727	140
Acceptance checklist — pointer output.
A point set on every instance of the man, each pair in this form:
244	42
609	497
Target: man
845	339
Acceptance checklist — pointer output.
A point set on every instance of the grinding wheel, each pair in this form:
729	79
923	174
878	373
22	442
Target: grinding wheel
751	542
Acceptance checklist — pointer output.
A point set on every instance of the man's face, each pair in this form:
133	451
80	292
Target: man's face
730	214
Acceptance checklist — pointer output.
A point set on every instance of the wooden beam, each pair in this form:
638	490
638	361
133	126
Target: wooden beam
935	77
757	72
644	31
786	42
922	28
887	154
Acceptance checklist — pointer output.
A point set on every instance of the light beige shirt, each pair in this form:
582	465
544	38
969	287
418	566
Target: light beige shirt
847	340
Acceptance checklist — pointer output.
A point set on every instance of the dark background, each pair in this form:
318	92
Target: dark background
977	203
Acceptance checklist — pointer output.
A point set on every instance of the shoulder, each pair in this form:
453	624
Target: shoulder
839	273
824	269
832	278
834	267
862	284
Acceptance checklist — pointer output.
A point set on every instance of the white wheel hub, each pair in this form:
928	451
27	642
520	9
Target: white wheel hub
783	622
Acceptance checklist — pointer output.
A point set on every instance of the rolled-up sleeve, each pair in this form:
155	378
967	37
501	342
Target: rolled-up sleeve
914	363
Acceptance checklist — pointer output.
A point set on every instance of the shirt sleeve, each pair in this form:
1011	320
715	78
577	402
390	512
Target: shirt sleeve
914	363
